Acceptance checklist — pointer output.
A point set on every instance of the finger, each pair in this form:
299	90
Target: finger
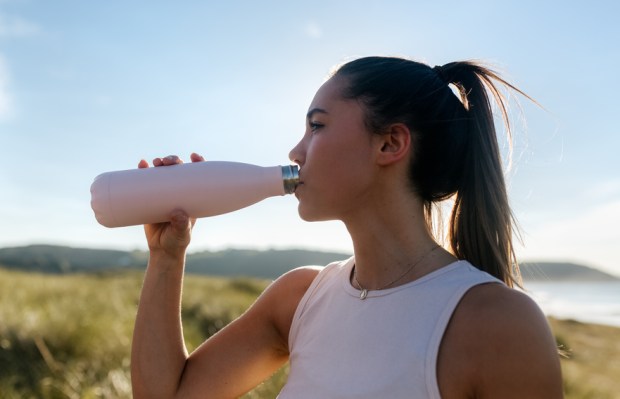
196	157
179	220
143	164
158	162
171	160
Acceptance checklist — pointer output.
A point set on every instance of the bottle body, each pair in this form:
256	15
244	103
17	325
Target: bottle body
201	189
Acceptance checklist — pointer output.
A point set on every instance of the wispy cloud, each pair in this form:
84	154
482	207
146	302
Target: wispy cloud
13	26
590	236
5	96
313	30
604	190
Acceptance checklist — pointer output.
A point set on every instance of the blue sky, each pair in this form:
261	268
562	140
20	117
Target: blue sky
92	86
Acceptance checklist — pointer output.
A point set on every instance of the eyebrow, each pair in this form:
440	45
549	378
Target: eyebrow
314	111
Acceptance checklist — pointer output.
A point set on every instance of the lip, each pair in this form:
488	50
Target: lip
297	188
300	182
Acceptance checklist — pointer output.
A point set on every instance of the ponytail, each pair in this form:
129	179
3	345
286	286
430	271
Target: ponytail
455	153
481	223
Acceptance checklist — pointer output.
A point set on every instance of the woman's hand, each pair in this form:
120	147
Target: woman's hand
171	238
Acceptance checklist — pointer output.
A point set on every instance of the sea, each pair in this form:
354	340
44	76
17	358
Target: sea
589	302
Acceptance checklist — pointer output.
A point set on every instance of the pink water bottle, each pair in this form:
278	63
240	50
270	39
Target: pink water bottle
149	195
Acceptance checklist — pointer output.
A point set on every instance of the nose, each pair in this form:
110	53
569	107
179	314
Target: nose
297	154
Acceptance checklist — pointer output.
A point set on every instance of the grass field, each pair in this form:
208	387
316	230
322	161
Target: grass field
69	336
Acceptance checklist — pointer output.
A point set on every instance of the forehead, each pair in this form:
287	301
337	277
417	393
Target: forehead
329	94
329	101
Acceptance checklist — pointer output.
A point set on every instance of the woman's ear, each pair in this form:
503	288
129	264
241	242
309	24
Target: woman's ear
393	144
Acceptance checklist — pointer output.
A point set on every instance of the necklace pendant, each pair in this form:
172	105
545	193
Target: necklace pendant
363	294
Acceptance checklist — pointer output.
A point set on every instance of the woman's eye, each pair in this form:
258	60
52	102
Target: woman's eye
314	126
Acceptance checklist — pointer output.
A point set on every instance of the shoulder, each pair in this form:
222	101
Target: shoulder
502	315
506	316
500	304
298	280
279	301
502	333
295	282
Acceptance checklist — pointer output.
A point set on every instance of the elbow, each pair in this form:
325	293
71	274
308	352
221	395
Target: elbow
155	388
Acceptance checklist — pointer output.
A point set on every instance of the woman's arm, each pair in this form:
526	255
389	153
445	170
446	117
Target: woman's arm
252	347
228	364
158	352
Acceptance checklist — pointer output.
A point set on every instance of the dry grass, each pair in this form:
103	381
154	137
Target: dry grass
69	336
592	366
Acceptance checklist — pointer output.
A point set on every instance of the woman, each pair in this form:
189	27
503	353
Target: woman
386	139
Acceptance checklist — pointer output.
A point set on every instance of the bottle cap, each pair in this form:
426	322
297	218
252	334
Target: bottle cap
290	178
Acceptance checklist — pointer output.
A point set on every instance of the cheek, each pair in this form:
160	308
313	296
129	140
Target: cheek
331	151
332	189
335	165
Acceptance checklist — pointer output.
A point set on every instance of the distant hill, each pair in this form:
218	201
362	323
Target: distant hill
60	259
558	271
233	262
255	263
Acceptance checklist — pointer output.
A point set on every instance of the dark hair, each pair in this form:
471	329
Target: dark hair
455	148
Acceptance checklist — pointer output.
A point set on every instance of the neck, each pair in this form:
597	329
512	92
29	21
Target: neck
388	243
389	232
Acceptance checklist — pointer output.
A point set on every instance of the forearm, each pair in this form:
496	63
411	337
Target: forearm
158	352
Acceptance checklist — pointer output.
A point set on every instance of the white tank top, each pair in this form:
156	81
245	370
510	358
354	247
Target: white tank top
385	346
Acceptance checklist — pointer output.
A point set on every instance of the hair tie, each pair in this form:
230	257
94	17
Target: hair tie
440	73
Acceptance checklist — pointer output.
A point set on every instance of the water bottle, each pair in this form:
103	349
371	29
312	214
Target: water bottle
201	189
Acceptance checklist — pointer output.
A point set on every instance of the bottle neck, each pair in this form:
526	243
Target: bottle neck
290	178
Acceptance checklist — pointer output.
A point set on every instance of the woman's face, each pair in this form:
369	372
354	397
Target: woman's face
335	156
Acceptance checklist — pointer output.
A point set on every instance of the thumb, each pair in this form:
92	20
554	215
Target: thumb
179	221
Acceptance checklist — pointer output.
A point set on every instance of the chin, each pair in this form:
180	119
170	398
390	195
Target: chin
309	215
305	216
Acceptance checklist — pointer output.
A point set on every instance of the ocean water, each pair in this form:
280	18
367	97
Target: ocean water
587	302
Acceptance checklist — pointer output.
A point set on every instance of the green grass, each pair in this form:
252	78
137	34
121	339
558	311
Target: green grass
69	336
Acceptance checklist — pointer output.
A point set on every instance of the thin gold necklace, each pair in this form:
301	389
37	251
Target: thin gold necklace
364	291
